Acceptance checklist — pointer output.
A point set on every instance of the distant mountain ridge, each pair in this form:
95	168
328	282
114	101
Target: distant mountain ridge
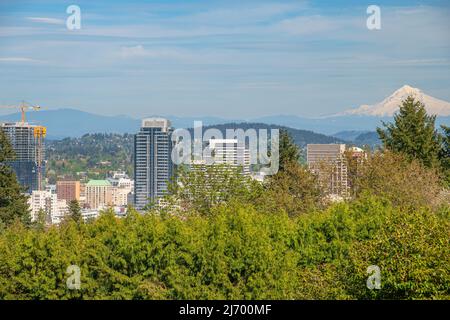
361	138
300	137
63	123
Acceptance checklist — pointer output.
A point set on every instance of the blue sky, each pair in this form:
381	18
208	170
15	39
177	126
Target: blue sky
235	59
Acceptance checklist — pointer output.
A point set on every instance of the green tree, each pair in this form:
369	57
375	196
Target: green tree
412	250
444	154
295	190
404	182
289	151
205	186
13	203
41	219
75	211
413	133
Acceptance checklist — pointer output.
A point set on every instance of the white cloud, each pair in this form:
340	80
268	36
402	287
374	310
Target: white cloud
18	59
46	20
139	51
306	25
244	14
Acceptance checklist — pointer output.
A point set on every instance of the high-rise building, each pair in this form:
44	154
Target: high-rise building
98	194
328	162
28	143
153	166
68	190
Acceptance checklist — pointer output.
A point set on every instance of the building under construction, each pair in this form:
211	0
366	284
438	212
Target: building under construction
27	141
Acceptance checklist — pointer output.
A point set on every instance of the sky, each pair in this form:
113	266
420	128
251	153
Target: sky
232	59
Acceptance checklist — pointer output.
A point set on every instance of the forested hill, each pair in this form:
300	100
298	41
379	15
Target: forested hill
94	155
301	137
91	156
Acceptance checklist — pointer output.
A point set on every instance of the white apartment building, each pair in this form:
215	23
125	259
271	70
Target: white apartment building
49	203
119	196
122	187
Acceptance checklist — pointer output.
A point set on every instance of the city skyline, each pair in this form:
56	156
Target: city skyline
220	58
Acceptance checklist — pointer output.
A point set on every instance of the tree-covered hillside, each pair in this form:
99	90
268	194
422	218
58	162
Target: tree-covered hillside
300	137
91	156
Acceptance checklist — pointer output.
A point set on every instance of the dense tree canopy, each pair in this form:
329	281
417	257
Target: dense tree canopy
238	252
404	182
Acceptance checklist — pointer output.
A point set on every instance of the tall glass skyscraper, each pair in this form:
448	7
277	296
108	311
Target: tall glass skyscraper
153	166
27	141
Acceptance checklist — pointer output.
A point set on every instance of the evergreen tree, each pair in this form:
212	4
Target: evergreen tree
444	154
413	133
13	203
41	219
75	211
289	151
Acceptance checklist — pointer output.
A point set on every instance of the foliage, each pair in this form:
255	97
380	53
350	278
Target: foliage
294	190
288	150
75	211
237	252
204	186
413	133
444	153
395	177
412	251
92	156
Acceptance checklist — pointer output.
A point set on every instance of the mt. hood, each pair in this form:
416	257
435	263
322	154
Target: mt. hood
391	104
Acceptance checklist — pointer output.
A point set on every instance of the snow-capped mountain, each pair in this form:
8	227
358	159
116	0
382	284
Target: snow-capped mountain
391	104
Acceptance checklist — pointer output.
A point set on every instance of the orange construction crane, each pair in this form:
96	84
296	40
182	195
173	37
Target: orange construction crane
39	133
23	107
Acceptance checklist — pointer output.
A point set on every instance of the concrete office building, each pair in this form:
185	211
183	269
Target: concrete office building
328	162
153	166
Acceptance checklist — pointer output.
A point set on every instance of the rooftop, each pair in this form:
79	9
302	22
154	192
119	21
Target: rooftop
99	183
